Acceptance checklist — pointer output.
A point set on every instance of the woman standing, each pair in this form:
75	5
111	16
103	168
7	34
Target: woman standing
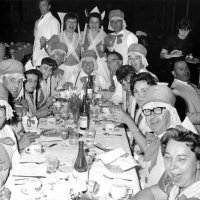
93	39
72	40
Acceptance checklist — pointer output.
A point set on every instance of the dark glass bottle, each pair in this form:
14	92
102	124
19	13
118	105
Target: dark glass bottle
90	87
80	164
84	114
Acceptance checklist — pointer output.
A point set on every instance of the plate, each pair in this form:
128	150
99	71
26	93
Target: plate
192	60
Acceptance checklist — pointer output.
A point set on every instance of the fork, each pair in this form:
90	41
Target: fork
111	178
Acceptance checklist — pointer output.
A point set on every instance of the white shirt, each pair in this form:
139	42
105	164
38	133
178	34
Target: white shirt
128	38
46	27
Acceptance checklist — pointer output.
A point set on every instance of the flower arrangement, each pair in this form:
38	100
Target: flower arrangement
74	103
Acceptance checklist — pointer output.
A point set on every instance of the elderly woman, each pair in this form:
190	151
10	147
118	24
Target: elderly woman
89	67
160	114
181	152
94	40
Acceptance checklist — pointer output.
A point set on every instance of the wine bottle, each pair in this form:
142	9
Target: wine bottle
90	87
80	164
84	114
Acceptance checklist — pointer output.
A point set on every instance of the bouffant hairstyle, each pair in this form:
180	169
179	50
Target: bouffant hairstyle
96	15
123	72
184	23
180	134
144	76
70	15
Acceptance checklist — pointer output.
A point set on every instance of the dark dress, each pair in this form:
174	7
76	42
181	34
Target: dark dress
175	43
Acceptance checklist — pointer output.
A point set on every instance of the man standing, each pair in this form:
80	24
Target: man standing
183	87
45	28
121	38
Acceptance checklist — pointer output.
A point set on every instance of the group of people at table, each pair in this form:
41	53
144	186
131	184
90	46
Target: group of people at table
168	152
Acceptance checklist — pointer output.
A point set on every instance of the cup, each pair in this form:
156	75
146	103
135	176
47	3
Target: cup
64	134
52	164
74	138
5	194
109	128
51	121
106	111
33	186
119	191
34	149
92	186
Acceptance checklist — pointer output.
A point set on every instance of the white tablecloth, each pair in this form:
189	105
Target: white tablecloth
67	153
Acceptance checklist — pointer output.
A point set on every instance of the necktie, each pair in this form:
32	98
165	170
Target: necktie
194	87
119	38
84	80
41	17
112	81
151	153
4	159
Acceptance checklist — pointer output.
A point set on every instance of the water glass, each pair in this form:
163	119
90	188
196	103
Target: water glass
74	137
52	164
5	194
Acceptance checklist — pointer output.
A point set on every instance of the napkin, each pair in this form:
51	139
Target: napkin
116	157
188	125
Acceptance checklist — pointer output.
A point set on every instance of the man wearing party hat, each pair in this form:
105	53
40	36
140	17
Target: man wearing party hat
137	58
88	67
121	38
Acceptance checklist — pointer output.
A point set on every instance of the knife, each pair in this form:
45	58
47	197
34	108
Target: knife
29	176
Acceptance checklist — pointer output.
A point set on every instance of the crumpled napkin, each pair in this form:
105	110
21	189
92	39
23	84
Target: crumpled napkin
119	158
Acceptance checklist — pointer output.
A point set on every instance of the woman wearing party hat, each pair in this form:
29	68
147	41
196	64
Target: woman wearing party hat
93	39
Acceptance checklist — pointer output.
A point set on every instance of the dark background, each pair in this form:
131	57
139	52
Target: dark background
156	17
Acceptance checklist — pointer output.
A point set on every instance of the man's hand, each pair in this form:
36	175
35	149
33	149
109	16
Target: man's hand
24	104
27	139
43	113
43	41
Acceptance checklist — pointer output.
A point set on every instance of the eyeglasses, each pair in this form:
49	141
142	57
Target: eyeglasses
156	111
112	61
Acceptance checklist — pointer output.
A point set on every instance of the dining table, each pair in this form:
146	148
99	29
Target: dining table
112	163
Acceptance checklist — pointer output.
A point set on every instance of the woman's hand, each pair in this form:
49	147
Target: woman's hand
121	116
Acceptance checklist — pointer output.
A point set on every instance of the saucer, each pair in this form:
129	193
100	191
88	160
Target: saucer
111	198
43	151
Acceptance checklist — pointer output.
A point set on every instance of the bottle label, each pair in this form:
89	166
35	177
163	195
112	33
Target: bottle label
83	121
89	93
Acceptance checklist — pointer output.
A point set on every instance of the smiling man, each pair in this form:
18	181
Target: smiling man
121	38
44	29
88	68
183	87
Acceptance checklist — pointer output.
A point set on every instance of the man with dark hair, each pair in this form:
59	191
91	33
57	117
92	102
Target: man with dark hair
47	84
183	87
44	29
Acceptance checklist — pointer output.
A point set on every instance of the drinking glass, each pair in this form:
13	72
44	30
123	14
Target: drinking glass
5	194
52	164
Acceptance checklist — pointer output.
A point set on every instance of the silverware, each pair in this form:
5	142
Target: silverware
29	176
38	163
112	134
102	148
116	178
